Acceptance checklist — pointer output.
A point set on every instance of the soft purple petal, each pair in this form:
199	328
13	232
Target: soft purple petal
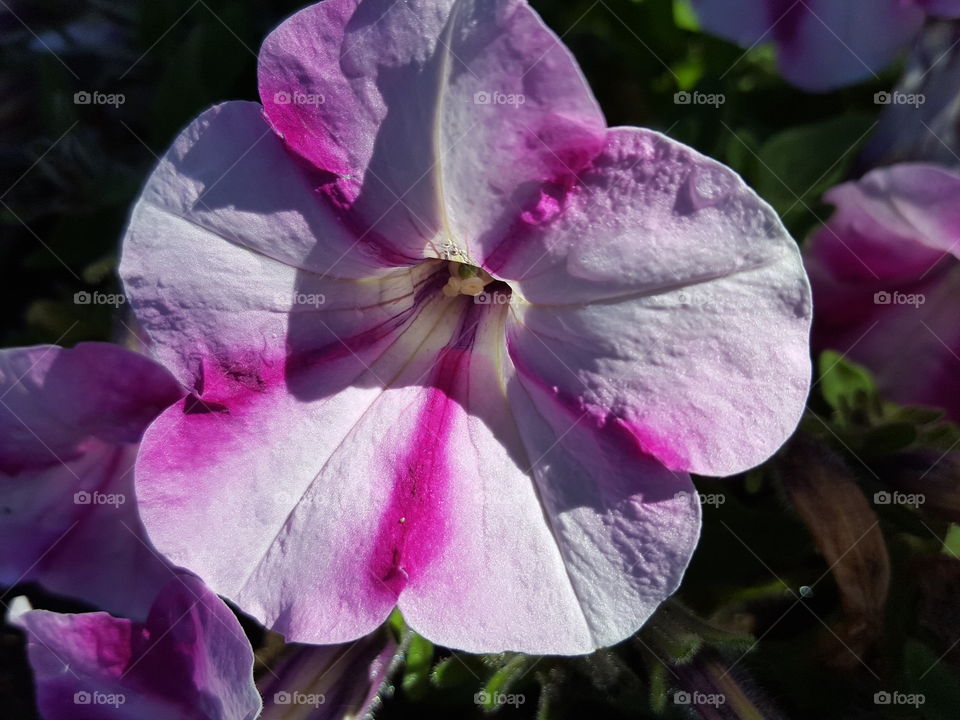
887	265
70	421
189	661
941	8
668	297
435	121
330	682
821	44
201	186
255	262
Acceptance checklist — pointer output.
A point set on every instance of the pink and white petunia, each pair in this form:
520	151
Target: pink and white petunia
824	44
189	661
886	279
70	424
454	346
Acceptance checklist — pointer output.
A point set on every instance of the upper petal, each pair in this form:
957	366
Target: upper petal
227	174
70	421
436	121
668	296
204	283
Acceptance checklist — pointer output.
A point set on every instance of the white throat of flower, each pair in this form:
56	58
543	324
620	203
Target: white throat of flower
466	280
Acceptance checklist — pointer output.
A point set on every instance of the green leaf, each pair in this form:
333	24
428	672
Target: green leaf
914	415
928	676
454	671
841	380
889	438
416	673
798	165
684	16
501	682
944	437
658	687
951	544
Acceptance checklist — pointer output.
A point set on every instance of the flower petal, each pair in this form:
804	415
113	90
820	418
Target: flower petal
281	469
339	682
888	258
435	121
189	661
563	536
821	44
667	296
70	421
229	175
941	8
205	284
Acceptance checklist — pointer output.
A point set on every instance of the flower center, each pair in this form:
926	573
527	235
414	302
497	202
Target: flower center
466	280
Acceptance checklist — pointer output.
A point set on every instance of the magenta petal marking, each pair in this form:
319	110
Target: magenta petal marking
414	525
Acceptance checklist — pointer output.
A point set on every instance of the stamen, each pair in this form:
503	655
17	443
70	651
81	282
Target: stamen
466	279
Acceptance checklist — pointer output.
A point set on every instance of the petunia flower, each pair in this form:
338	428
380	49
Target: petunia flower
886	280
189	661
70	423
824	44
329	682
454	345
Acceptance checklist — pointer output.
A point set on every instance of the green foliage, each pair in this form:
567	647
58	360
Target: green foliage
799	164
